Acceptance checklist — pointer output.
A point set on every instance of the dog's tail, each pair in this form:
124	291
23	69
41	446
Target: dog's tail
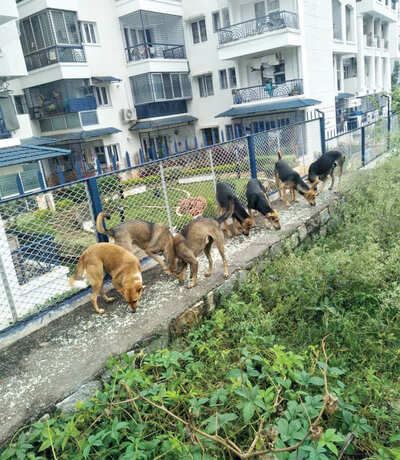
100	226
76	280
228	213
279	155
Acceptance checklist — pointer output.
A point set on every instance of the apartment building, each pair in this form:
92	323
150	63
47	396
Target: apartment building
153	74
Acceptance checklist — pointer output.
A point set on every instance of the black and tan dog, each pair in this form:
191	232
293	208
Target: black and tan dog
226	199
152	238
292	181
324	167
198	236
122	265
257	200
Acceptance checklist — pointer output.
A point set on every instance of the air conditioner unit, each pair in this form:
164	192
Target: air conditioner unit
129	115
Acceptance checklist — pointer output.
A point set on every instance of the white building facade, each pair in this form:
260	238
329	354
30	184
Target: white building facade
153	74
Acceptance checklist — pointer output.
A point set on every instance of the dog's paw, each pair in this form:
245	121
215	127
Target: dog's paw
109	299
226	275
207	274
100	311
191	285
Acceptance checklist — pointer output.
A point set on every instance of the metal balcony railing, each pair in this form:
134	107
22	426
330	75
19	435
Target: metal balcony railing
273	21
52	106
143	51
260	92
54	55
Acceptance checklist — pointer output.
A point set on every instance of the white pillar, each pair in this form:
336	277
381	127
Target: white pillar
360	55
379	82
372	74
387	83
341	72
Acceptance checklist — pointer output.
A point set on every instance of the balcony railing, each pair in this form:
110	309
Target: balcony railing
54	55
273	21
260	92
53	107
143	51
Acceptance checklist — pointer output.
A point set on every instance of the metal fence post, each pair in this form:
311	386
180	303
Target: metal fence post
322	130
363	145
252	156
95	205
7	289
164	189
213	170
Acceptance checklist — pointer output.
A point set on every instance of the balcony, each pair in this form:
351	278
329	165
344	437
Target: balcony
276	30
378	8
268	91
54	55
144	51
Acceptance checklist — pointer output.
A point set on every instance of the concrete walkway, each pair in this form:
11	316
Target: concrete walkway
50	364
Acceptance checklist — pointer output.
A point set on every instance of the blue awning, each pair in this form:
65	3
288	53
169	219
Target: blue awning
344	96
38	141
19	154
243	110
161	122
84	135
105	79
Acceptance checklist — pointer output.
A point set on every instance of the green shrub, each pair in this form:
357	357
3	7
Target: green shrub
76	193
173	172
64	204
211	210
43	214
137	181
108	184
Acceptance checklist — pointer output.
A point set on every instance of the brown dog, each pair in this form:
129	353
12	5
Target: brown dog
151	238
198	236
292	181
121	264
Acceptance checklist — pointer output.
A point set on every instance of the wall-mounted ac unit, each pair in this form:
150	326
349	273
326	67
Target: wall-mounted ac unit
128	115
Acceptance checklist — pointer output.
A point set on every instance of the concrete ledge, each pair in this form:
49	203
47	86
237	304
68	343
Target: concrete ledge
65	361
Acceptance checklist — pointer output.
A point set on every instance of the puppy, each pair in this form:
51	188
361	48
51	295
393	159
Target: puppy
291	180
324	167
151	238
241	219
257	201
121	264
198	236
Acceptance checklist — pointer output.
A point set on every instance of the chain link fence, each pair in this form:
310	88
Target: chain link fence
43	234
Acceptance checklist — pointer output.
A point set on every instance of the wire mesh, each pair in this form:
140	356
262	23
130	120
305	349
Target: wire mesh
376	140
299	144
350	145
41	239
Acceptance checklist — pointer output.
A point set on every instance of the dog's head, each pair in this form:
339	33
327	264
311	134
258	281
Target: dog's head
247	225
273	217
309	195
132	291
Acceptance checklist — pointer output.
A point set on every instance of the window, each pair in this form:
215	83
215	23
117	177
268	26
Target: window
100	153
113	151
152	87
88	32
210	136
259	9
216	16
229	132
272	5
223	79
199	31
206	85
20	104
216	21
232	77
158	86
102	96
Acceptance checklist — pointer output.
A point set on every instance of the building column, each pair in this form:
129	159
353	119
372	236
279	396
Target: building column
360	55
387	82
372	74
379	82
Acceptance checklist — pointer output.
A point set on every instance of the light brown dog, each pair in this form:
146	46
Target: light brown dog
150	237
196	237
120	264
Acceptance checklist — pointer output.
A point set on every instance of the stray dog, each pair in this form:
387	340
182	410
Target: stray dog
257	200
324	167
151	238
198	236
292	181
121	264
241	219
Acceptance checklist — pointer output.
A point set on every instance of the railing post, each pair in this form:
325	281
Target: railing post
95	204
363	145
322	130
252	156
164	189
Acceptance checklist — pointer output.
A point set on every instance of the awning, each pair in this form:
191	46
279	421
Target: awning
105	79
243	110
84	135
344	96
38	141
18	154
161	122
